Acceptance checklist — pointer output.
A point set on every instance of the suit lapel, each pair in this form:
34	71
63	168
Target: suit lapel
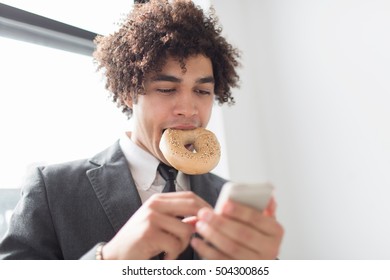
114	186
205	188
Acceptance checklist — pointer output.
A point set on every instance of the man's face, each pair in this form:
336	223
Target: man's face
173	99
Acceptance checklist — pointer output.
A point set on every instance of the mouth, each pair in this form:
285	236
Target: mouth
180	127
190	146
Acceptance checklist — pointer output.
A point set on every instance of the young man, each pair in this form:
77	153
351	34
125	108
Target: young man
165	67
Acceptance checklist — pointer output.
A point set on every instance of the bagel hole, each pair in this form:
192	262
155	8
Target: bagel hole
190	147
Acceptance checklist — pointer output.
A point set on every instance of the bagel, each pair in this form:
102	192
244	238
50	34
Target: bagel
205	156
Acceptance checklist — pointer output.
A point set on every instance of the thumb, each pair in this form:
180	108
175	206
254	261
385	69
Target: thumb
270	210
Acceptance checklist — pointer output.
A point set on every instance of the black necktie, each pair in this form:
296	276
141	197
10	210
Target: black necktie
169	174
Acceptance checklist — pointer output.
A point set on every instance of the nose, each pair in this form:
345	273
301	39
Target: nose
186	105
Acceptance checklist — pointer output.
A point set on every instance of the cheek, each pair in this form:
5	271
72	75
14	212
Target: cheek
206	110
151	109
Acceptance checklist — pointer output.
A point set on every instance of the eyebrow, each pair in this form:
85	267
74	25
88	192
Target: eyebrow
173	79
165	78
206	80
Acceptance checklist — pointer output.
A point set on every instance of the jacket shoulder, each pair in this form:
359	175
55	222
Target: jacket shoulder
81	166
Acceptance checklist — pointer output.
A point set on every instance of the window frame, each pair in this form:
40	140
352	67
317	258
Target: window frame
29	27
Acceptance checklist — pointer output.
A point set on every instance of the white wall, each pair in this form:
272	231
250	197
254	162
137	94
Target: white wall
312	117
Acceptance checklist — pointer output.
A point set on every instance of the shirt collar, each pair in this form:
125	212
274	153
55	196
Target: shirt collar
143	165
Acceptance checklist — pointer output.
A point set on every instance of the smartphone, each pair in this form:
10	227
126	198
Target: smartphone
256	195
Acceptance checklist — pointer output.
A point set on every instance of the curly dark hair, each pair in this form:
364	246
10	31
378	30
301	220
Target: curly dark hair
158	29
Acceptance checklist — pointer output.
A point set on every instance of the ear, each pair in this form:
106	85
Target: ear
129	102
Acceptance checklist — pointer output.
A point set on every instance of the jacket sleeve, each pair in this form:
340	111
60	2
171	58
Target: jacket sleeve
31	234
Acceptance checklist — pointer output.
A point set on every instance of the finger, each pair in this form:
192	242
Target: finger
265	224
233	248
206	250
243	234
190	220
263	240
169	245
270	210
265	247
183	194
244	214
171	225
175	205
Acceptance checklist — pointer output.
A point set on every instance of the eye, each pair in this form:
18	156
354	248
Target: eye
203	92
166	90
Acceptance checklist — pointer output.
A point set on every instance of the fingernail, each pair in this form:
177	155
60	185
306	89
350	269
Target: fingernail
206	215
200	225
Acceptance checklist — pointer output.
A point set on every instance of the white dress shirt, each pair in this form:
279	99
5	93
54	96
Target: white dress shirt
143	168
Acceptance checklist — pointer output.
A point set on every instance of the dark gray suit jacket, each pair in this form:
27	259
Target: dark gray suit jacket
66	209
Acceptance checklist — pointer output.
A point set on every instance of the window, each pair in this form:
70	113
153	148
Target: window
53	108
96	16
